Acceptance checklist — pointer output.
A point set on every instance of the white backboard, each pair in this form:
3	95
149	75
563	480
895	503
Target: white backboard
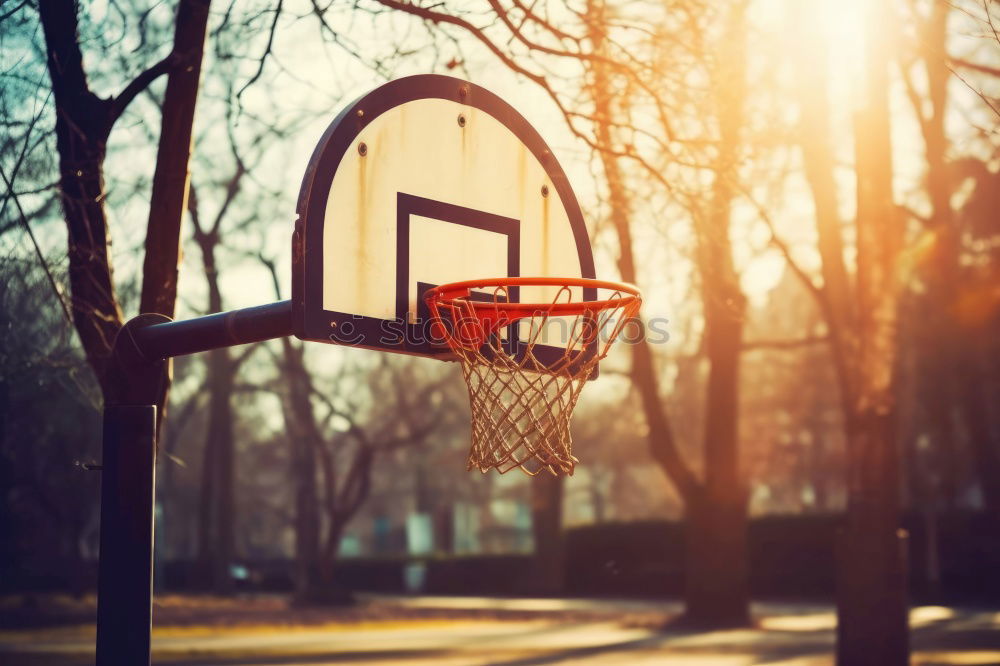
426	180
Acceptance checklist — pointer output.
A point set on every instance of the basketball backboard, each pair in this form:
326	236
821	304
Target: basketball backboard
426	180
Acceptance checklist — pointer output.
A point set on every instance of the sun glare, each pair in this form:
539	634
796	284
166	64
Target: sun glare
841	27
844	27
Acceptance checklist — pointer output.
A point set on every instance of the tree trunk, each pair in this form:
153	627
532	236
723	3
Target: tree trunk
170	178
207	510
222	492
872	607
299	421
83	122
303	435
716	592
662	445
957	357
716	587
872	614
217	520
546	527
306	515
941	374
328	589
811	80
341	505
973	392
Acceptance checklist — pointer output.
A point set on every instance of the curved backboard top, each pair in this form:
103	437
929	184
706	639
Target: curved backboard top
426	180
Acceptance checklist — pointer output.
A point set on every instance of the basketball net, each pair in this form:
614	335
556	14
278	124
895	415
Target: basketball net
525	364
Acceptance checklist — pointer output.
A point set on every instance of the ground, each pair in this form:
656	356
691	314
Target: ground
471	630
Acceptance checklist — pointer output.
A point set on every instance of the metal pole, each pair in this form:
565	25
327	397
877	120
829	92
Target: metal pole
137	374
225	329
125	594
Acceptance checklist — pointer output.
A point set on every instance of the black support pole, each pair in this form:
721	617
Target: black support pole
125	595
225	329
137	375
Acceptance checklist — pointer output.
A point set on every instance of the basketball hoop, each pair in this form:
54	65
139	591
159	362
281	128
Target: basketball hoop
525	364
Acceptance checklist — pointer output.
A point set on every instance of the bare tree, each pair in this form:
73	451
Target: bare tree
716	588
862	323
48	507
337	430
216	519
955	350
82	126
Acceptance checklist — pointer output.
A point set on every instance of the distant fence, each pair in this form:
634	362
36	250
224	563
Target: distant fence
789	556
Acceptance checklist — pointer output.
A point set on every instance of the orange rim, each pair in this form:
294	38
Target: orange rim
461	291
492	315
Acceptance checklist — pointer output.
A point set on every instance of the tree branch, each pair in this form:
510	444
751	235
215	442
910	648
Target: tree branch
975	66
34	242
13	11
267	51
986	100
139	84
818	292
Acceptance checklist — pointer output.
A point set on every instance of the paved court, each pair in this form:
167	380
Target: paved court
788	635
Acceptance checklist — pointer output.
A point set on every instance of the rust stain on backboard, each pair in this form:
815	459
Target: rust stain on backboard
467	150
467	114
522	175
361	221
545	226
